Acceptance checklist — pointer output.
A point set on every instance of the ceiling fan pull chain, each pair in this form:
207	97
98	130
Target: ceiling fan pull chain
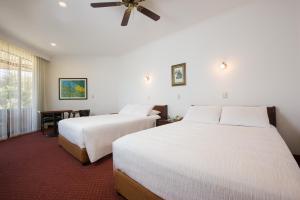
133	14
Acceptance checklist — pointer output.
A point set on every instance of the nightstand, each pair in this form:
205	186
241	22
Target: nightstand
161	122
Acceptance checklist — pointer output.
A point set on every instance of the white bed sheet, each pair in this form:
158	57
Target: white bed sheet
189	160
96	133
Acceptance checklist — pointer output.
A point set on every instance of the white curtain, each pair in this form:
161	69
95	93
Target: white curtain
21	83
40	65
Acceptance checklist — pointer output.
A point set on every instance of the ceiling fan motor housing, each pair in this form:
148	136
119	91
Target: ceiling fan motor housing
131	3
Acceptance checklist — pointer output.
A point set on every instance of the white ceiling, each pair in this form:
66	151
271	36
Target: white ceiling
82	30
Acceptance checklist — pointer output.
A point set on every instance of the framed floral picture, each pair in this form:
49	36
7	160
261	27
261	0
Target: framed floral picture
72	88
179	74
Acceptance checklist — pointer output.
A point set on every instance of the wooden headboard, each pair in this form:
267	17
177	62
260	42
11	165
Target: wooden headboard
163	109
272	115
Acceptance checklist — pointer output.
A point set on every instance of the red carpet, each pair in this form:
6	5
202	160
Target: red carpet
35	167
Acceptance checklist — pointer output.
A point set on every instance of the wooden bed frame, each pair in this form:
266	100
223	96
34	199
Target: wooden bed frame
132	190
81	154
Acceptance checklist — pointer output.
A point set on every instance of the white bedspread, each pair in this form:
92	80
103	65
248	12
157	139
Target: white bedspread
189	160
96	133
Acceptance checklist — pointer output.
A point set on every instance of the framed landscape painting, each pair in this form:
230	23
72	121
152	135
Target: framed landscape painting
72	88
178	74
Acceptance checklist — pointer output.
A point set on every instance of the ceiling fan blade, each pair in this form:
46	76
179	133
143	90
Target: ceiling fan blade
148	13
106	4
126	17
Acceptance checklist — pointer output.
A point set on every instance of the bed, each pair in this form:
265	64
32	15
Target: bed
223	162
90	138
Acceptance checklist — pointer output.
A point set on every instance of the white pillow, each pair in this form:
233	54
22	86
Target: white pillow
154	112
203	114
136	109
129	108
245	116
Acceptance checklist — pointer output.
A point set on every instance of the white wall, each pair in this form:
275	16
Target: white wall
101	73
16	42
298	17
260	43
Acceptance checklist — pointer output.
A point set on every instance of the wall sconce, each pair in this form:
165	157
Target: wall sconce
62	4
223	66
147	79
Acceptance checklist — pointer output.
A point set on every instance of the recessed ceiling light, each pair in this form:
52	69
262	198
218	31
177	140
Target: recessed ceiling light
62	4
53	44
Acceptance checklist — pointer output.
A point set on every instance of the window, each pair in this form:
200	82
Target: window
16	94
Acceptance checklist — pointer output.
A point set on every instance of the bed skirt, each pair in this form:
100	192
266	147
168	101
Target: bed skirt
130	189
74	150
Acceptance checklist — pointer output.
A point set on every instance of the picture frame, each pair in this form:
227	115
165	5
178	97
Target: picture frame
73	88
178	73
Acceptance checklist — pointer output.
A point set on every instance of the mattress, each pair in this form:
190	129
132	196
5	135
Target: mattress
96	133
190	160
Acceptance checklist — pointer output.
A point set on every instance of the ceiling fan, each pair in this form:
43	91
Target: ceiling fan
130	4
